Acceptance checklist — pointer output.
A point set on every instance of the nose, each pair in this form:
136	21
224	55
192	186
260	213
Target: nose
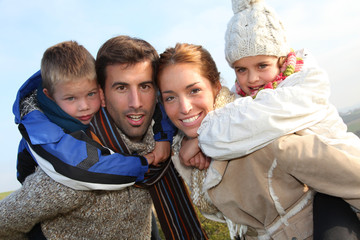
134	99
83	105
185	105
253	77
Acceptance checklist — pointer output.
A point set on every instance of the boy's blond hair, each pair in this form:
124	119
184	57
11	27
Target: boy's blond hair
64	62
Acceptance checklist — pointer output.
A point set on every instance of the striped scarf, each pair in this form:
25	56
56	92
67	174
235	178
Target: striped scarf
168	191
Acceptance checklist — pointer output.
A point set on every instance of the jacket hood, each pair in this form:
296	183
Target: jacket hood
29	86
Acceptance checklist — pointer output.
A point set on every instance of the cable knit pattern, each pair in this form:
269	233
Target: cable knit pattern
255	29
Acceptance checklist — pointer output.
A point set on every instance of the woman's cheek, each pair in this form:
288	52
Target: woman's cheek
171	111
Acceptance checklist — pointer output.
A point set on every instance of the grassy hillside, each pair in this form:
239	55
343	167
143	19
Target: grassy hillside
4	194
352	120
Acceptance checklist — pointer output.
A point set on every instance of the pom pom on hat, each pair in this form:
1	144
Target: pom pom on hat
238	6
254	30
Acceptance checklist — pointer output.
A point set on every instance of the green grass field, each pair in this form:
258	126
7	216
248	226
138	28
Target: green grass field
4	194
354	126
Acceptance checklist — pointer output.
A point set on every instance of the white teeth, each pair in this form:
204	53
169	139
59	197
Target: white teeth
135	117
189	120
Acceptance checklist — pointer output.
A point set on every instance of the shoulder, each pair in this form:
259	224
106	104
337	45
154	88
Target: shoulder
308	57
224	97
41	185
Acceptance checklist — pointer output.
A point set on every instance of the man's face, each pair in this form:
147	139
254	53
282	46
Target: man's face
130	97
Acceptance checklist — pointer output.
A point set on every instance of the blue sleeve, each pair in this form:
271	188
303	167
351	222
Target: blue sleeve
164	129
78	158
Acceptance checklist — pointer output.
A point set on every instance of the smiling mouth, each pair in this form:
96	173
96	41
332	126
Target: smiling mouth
255	88
135	118
190	120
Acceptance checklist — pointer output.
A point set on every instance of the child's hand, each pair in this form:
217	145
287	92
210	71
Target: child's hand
200	161
161	152
191	155
150	157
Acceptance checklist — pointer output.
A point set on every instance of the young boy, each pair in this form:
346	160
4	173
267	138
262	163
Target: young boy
68	94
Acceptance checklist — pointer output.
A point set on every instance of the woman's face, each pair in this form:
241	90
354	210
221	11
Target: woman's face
187	96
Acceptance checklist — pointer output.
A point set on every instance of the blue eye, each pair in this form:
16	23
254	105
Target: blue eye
262	66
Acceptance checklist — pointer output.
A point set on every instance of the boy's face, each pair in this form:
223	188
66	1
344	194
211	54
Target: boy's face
130	97
81	99
253	73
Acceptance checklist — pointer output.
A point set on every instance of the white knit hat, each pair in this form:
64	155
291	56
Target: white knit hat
254	30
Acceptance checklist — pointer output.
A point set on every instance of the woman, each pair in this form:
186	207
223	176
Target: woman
267	194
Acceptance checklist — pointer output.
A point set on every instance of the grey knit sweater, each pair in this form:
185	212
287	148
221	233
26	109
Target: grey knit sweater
65	213
68	214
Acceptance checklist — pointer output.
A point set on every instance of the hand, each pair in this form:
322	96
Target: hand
200	161
191	155
150	157
161	152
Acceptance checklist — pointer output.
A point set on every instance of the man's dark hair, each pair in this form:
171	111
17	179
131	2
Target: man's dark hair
124	50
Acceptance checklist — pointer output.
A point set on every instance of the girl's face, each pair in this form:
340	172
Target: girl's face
252	73
187	96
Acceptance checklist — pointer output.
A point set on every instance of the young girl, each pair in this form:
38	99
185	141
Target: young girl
256	48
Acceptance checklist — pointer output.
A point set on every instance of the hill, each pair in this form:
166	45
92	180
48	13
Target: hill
352	120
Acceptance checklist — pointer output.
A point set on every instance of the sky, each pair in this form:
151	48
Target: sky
329	29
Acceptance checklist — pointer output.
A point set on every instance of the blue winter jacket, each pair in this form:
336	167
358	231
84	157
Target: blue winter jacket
59	154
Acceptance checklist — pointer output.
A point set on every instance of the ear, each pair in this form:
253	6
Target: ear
217	88
46	92
102	97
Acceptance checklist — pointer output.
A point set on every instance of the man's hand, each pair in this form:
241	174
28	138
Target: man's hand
191	155
161	152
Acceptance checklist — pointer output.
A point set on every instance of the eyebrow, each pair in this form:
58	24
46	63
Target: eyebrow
127	84
187	87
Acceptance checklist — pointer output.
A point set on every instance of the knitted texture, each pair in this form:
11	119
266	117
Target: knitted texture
68	214
254	30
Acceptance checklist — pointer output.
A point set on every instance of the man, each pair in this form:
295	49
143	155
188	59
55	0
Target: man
126	68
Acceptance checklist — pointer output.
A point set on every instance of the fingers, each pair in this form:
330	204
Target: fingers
200	161
150	157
